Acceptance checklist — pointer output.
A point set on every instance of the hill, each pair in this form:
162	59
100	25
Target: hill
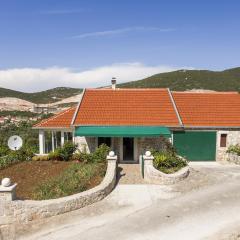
48	96
227	80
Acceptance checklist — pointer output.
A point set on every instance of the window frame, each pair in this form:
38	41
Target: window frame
223	140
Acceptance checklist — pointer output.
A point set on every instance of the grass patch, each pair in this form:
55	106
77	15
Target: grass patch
78	177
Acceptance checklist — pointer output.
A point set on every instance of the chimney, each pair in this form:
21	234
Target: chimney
114	81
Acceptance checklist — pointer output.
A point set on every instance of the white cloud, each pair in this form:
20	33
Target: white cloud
38	79
121	31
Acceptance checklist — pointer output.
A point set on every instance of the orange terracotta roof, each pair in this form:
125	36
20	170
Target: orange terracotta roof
208	109
60	120
152	107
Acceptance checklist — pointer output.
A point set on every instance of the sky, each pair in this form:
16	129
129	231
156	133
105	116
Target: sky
84	43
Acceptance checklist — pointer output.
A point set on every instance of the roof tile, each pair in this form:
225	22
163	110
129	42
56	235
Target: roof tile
208	109
150	107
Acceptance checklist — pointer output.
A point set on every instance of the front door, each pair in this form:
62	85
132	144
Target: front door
128	149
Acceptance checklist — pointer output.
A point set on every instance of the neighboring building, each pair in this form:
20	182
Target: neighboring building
200	125
38	108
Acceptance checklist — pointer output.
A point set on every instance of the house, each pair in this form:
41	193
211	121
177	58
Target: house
44	108
200	125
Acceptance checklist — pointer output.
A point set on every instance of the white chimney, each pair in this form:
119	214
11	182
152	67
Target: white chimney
114	81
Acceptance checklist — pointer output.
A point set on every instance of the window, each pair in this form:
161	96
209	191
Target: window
104	140
68	136
223	140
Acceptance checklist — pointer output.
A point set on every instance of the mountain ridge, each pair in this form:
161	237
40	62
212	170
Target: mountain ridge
180	80
183	80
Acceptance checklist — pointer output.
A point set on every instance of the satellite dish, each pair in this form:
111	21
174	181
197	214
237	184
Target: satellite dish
15	142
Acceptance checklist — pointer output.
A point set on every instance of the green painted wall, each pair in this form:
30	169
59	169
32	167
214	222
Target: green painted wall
196	146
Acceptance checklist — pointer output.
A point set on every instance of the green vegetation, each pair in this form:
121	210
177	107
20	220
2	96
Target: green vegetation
69	152
235	149
228	80
168	163
26	114
8	157
99	155
66	105
23	129
77	178
63	153
48	96
166	159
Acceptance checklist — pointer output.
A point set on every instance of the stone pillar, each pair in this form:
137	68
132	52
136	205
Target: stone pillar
62	138
148	158
111	156
7	190
148	162
112	162
41	142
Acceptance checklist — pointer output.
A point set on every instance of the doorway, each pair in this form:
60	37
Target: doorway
128	149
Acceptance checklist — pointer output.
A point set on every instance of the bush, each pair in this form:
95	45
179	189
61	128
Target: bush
4	150
235	149
7	161
64	153
99	155
54	155
40	158
168	163
25	153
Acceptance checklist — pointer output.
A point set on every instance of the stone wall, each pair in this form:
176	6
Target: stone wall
88	144
145	144
154	176
233	158
233	138
22	212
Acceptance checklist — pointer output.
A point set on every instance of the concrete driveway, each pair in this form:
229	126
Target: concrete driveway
204	206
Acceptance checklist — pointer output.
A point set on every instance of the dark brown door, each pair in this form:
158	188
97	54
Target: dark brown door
128	149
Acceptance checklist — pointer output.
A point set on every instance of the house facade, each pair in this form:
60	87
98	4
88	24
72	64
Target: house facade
201	126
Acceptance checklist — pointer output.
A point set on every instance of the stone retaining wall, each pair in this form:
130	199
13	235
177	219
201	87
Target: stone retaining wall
22	212
153	176
233	158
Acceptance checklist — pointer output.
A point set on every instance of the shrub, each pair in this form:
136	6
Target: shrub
4	150
168	163
167	148
7	161
67	151
54	155
99	155
40	158
82	157
25	153
64	153
235	149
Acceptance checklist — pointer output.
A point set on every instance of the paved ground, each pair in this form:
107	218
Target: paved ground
129	174
206	206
